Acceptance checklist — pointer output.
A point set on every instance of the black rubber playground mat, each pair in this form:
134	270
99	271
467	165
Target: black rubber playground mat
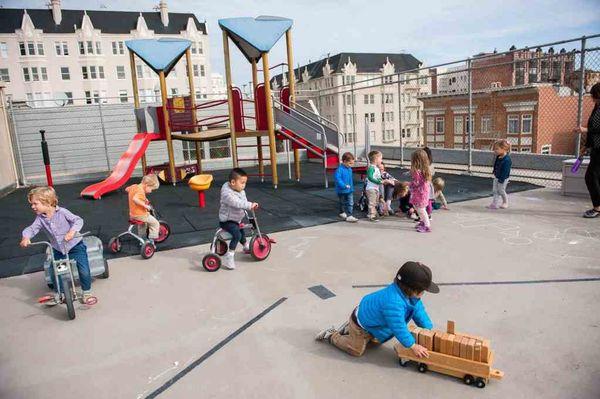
292	205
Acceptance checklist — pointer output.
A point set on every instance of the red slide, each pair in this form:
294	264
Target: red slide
122	172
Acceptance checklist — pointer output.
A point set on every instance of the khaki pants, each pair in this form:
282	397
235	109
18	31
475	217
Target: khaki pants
373	199
355	342
152	224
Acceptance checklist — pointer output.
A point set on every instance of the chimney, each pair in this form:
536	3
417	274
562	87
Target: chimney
433	77
56	12
164	13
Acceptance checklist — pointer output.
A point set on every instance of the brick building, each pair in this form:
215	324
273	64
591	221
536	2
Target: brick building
535	118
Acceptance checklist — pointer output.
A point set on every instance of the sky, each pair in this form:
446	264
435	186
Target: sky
434	31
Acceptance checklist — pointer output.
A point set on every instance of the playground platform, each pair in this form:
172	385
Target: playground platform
527	278
293	205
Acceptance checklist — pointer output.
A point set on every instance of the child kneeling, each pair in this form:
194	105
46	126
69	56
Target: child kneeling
231	213
384	314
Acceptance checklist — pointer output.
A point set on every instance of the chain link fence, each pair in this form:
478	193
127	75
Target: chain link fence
534	97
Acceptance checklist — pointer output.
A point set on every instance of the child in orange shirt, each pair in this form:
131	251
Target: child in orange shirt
139	208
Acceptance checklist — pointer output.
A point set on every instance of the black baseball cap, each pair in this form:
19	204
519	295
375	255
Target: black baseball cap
417	276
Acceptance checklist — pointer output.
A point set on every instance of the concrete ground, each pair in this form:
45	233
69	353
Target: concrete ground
158	319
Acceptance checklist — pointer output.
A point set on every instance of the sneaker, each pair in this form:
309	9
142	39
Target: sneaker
492	206
351	219
228	260
247	247
504	205
325	334
591	213
423	229
343	215
374	220
420	224
343	329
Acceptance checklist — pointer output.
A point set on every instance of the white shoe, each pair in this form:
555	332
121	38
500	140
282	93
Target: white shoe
247	246
351	219
228	260
325	334
343	215
414	216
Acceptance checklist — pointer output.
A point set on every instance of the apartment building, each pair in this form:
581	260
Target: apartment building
52	57
360	92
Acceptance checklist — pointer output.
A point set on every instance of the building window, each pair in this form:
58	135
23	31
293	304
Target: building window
525	149
486	124
31	48
200	51
546	149
513	124
196	70
26	76
458	126
439	125
526	123
44	73
88	97
101	72
4	76
90	47
123	96
81	48
3	50
69	96
40	48
202	72
372	98
118	48
93	74
140	71
372	118
366	99
64	73
62	48
430	125
120	72
84	72
22	50
174	91
197	95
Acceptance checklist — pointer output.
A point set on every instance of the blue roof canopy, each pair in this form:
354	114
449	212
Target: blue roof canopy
161	54
255	36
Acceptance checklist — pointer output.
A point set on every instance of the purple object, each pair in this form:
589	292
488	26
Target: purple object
576	165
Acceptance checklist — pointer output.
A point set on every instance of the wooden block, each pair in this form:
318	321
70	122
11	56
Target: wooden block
415	334
426	338
443	343
477	351
450	327
485	351
456	346
437	341
470	348
450	344
463	347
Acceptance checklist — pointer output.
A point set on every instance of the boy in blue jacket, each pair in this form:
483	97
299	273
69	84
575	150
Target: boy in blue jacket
384	314
344	187
502	165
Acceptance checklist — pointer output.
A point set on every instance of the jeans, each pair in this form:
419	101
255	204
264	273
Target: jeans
592	177
79	253
346	203
238	235
499	190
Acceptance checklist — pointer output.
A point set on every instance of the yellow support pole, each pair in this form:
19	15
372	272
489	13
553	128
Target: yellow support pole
163	94
230	99
188	60
270	121
261	165
136	101
292	86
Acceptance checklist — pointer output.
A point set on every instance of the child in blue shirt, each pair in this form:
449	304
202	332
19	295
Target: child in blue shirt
384	314
344	187
502	165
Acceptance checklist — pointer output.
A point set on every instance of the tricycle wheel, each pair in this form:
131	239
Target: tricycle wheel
260	247
164	231
422	368
147	250
468	379
68	292
114	245
221	247
480	383
211	262
106	272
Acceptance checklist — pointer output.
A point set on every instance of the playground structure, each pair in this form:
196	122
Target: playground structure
176	118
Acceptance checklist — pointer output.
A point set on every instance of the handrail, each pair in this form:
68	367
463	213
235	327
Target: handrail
337	128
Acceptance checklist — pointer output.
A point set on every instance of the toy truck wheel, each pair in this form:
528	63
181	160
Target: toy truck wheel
221	247
211	262
422	368
147	250
480	383
468	379
402	362
114	245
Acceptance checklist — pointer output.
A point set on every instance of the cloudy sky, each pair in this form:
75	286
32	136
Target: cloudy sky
434	31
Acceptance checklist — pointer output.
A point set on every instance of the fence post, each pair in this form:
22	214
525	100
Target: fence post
580	94
400	121
104	135
353	119
19	154
470	123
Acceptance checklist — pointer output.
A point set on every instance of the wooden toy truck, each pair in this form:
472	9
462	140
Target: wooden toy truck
460	355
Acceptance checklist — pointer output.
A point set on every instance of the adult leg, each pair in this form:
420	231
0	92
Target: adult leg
355	342
592	181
